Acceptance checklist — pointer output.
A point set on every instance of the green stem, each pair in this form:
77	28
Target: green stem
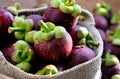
107	55
93	43
69	2
43	26
15	29
17	6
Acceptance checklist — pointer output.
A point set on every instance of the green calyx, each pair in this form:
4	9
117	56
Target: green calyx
116	76
116	18
102	8
23	52
60	32
25	66
116	41
92	43
82	32
115	37
67	6
48	31
55	3
82	41
48	70
110	60
65	9
20	27
29	36
14	9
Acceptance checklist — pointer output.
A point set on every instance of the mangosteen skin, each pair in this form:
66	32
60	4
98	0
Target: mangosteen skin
101	22
7	52
54	50
74	35
5	20
57	17
35	18
102	33
115	50
79	55
109	71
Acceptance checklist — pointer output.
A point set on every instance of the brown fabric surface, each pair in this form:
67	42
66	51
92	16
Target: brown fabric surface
89	4
87	70
23	3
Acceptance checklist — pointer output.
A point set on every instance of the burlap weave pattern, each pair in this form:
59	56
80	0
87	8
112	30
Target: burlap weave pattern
87	70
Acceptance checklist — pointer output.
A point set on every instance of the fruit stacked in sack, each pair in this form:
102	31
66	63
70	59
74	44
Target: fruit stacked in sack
49	43
108	25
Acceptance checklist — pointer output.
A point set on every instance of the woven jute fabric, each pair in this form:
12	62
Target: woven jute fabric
23	3
88	70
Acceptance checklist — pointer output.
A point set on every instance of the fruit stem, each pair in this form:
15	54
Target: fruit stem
107	55
17	5
69	2
15	29
43	26
92	43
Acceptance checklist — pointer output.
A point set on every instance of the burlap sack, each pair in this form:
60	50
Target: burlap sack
23	3
88	70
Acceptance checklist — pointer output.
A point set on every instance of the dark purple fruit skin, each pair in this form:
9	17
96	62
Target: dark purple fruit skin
100	22
114	49
57	17
7	52
36	18
5	20
109	17
113	27
108	72
80	54
74	35
54	50
103	35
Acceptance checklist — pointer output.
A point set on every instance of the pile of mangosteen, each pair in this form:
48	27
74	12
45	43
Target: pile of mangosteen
45	44
108	25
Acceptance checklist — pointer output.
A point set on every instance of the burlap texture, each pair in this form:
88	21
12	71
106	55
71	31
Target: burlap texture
23	3
88	70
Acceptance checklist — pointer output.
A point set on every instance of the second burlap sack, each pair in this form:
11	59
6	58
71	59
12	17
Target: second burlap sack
88	70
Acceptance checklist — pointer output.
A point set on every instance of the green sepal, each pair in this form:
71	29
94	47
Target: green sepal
102	11
116	18
76	10
82	41
47	36
116	76
20	45
28	24
18	22
82	32
16	56
19	35
110	60
48	70
60	32
55	3
29	36
25	66
116	41
65	9
117	32
37	37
